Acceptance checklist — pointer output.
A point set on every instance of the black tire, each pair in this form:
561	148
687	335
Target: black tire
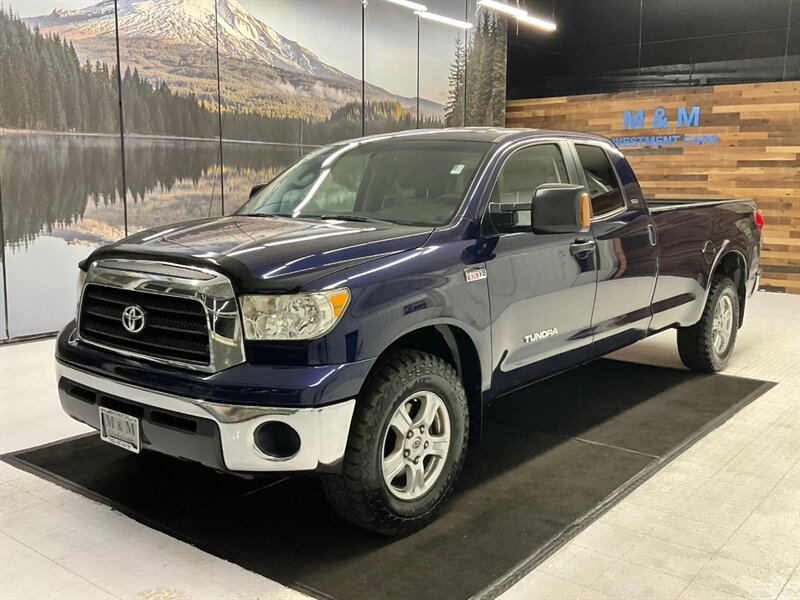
696	343
359	493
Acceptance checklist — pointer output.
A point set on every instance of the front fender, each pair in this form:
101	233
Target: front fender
396	295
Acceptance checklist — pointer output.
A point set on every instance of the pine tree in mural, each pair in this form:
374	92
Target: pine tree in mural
44	87
454	109
497	101
482	67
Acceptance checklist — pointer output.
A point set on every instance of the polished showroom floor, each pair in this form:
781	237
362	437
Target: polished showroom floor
720	521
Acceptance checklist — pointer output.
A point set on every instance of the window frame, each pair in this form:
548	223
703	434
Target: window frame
582	176
567	155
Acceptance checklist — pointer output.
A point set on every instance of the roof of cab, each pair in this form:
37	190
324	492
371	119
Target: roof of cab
480	134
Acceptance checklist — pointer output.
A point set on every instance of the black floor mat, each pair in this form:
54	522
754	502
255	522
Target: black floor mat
552	458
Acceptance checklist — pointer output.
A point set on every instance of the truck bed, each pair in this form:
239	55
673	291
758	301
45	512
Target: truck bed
691	234
662	204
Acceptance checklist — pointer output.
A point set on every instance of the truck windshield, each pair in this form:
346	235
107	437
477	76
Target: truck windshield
411	182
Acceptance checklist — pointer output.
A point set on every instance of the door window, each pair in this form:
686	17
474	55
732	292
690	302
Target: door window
601	180
524	171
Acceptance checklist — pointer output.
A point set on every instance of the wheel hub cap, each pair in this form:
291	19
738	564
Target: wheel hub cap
416	445
722	324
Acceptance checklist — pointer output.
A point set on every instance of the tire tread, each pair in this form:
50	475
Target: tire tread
694	343
347	491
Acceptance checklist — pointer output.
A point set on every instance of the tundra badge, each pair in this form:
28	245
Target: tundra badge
539	335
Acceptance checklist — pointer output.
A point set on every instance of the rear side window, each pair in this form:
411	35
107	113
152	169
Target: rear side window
601	180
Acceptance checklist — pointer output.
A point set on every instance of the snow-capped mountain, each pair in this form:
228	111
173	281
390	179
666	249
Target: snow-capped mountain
241	35
173	40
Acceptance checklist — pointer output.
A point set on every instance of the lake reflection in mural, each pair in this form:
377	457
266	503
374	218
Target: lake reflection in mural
62	197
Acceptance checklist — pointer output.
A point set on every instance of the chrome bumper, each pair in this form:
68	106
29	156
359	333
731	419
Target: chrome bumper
323	431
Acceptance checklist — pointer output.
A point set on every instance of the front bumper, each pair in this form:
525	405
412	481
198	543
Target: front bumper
217	435
248	384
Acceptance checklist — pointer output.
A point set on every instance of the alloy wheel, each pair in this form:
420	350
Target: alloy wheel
722	325
416	445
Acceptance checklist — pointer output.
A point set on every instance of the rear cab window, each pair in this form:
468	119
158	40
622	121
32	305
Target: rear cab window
602	182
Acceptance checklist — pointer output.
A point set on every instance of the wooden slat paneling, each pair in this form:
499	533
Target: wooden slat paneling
758	155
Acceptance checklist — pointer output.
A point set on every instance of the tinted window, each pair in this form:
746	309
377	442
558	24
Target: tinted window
402	181
527	169
601	180
524	171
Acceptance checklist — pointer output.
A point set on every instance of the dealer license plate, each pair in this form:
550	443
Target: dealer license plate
119	429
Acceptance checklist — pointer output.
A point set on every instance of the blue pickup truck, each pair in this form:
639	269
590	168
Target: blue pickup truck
358	313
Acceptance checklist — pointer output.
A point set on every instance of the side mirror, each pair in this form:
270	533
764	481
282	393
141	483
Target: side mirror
256	188
559	208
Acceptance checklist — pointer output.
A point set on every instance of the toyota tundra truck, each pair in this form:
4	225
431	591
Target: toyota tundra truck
357	314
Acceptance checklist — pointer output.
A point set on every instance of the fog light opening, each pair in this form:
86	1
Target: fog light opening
277	439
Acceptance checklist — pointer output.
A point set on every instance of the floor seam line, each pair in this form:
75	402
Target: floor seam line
55	562
613	447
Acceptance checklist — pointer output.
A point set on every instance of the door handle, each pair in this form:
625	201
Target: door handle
581	247
651	234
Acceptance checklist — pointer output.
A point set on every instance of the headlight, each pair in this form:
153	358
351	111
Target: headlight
292	316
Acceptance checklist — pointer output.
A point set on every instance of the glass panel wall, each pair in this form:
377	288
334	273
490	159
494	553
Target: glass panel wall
217	95
169	94
60	160
442	66
486	68
390	59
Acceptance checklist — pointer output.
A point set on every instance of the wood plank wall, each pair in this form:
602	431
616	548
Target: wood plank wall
758	154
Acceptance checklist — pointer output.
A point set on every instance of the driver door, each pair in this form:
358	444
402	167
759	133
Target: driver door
541	289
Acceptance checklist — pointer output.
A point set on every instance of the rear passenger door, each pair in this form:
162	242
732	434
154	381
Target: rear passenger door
627	255
540	290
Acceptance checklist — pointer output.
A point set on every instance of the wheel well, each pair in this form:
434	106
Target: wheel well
454	346
733	265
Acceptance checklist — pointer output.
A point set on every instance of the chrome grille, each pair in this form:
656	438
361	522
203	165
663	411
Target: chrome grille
191	315
175	328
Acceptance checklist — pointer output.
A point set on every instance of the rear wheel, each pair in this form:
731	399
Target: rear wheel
707	345
406	446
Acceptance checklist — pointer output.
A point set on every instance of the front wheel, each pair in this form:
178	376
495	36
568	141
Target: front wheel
406	446
707	345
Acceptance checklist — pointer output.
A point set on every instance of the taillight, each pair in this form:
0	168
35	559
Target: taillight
759	219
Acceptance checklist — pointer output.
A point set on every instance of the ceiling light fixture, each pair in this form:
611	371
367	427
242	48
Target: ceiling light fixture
503	7
442	19
537	22
411	5
520	14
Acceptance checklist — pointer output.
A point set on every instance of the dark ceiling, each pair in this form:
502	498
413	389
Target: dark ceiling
613	45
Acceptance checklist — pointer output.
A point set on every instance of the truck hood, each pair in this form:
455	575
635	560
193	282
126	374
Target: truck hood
263	253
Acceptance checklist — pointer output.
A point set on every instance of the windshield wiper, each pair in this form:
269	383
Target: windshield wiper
264	215
353	218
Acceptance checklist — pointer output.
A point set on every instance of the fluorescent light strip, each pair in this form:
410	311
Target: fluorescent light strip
520	14
408	4
537	22
503	7
442	19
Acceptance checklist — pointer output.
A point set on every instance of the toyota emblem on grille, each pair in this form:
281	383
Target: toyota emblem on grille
133	319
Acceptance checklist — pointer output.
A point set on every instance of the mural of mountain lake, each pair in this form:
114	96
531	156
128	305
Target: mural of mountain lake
62	197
